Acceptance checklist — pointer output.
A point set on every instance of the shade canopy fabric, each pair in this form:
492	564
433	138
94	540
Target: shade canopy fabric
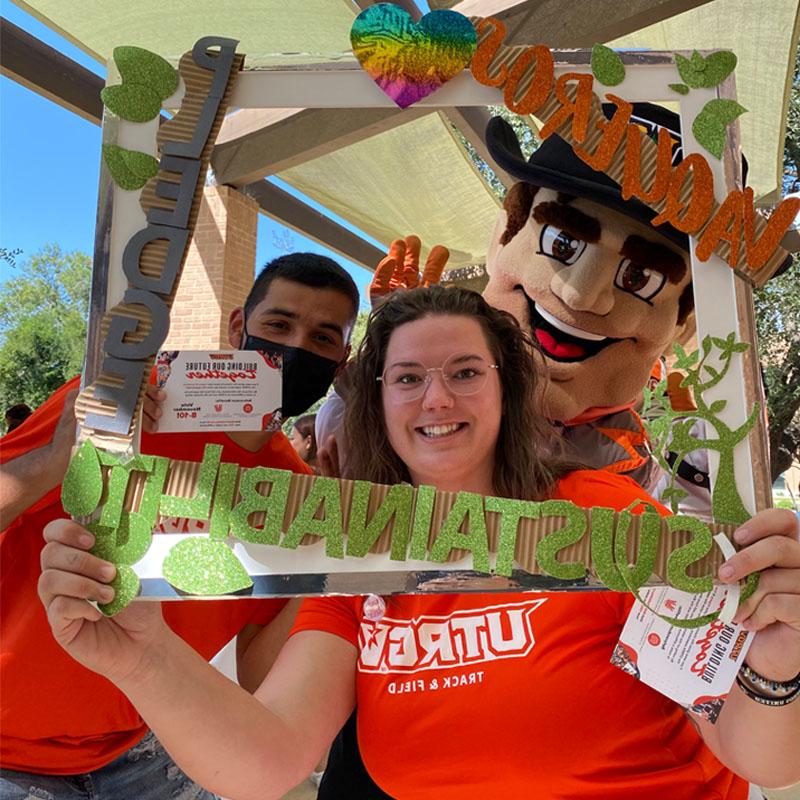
270	32
763	34
417	177
425	185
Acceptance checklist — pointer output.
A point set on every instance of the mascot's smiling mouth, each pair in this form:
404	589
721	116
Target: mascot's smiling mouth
561	341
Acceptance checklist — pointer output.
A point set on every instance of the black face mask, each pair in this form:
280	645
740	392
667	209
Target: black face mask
306	376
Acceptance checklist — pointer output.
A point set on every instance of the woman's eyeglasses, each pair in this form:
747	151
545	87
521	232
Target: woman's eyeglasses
462	374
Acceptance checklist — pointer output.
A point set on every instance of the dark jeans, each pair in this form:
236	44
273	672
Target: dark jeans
145	772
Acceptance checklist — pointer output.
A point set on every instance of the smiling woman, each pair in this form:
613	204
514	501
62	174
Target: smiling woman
523	672
453	436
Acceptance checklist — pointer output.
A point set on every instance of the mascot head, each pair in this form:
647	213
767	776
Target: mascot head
602	291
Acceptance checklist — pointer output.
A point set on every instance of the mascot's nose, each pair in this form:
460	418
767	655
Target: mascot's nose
585	286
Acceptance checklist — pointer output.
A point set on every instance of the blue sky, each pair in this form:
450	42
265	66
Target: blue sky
49	169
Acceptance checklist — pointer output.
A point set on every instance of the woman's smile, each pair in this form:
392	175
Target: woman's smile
442	430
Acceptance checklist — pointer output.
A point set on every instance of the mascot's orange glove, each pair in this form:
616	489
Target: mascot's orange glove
400	268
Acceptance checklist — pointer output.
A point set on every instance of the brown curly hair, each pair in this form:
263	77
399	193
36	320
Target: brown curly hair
523	469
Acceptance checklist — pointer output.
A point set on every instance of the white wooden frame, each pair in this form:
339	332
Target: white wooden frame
648	76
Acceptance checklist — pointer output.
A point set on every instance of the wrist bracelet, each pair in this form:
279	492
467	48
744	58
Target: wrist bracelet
766	700
767	687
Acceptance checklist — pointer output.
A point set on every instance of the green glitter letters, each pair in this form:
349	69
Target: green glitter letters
571	533
206	564
467	512
325	495
273	505
361	535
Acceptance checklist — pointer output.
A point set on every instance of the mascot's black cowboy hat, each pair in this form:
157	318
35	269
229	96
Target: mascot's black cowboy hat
555	166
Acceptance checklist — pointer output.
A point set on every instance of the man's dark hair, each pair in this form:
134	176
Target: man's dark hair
308	269
16	415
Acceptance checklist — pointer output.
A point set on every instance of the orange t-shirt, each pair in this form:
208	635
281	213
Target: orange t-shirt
513	695
57	717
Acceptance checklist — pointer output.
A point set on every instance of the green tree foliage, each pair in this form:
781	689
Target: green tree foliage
791	152
778	322
43	311
777	308
525	133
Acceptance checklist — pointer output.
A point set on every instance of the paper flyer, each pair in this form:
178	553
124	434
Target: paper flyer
695	667
231	390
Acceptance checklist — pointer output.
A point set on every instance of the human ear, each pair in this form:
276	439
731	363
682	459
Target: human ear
342	363
236	328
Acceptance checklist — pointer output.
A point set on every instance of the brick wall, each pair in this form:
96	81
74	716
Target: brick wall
218	273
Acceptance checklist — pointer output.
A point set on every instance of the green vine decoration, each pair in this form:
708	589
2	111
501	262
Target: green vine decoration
667	427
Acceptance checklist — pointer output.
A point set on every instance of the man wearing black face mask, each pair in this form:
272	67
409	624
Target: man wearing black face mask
307	325
302	306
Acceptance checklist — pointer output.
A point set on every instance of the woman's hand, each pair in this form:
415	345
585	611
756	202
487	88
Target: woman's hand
770	544
71	576
400	268
151	408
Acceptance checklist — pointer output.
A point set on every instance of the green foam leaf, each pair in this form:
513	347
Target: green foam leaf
126	586
709	125
710	134
726	111
680	88
82	487
137	65
132	101
607	66
700	72
130	169
204	566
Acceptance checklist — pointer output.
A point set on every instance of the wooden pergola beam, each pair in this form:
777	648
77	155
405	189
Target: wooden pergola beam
561	24
297	215
44	70
299	137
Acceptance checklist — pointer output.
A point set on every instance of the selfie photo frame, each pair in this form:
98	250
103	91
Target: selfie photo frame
722	301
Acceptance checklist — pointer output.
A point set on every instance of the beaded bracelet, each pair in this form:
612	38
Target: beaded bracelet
765	691
767	701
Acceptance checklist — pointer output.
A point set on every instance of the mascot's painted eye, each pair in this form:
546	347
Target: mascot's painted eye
638	280
560	245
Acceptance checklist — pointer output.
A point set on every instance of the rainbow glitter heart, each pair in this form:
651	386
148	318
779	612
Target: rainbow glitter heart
410	60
